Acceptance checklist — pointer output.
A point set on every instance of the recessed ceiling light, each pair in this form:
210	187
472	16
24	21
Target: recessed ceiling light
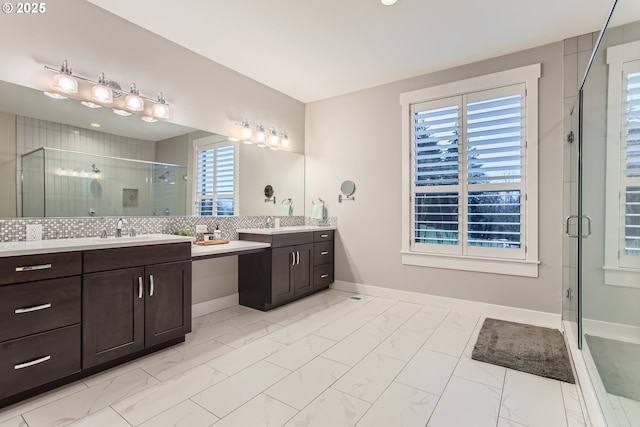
388	2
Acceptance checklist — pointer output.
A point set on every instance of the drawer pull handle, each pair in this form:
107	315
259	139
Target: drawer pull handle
140	287
30	309
324	236
34	267
324	276
152	286
324	253
33	362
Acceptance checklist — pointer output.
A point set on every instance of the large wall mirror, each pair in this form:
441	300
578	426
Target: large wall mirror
61	159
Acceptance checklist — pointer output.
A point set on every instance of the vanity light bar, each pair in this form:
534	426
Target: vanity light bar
259	136
99	94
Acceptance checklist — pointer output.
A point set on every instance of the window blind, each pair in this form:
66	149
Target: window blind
467	173
631	137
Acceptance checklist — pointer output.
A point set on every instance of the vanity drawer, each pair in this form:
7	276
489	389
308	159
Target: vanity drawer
28	268
291	239
134	256
322	275
38	359
322	253
29	308
321	236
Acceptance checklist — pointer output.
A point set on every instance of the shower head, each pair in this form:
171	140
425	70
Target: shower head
94	168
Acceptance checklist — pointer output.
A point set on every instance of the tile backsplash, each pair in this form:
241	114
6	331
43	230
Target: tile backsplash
14	229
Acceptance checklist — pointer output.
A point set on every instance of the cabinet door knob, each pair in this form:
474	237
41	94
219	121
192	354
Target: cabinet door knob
151	286
140	288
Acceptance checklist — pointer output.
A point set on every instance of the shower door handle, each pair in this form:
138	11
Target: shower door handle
567	222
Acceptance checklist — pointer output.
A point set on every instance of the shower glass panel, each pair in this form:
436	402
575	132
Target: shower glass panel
608	222
60	183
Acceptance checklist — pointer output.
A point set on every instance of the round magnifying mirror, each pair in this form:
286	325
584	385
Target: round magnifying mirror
348	188
268	191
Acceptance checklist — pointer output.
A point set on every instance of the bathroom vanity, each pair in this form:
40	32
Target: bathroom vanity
72	307
299	262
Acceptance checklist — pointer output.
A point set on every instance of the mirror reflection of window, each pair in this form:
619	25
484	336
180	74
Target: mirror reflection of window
215	179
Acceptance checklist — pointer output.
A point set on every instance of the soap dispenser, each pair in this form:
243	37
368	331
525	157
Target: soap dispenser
217	234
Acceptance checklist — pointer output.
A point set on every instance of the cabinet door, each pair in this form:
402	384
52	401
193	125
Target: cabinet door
282	274
168	302
112	315
303	269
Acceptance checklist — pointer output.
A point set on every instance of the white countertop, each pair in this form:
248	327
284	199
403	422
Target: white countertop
286	230
86	243
232	246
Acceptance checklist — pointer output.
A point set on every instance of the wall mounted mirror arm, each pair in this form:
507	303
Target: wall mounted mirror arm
347	188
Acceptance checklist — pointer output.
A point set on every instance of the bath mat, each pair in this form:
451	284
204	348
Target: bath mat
617	363
532	349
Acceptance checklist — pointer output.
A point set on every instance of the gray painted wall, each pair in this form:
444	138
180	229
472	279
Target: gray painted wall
8	153
358	137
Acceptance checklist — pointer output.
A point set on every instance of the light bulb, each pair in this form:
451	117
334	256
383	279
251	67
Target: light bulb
284	140
65	83
261	137
133	102
161	109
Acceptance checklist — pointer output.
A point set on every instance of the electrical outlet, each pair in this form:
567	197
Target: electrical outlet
34	232
201	228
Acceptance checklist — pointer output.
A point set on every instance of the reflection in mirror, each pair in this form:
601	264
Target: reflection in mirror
29	121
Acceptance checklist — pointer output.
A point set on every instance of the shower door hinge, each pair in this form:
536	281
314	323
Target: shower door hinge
570	294
571	137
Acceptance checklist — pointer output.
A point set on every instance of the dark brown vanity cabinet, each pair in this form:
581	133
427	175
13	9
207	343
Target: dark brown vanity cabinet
287	271
40	314
134	298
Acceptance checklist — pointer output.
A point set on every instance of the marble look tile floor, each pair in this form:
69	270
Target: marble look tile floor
326	360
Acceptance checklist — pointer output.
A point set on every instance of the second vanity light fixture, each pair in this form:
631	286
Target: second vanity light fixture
65	85
257	135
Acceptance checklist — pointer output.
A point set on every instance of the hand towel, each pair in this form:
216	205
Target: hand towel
287	209
318	211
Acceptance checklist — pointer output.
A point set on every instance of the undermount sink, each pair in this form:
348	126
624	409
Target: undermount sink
123	238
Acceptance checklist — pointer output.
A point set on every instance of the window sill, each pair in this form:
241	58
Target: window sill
624	277
522	268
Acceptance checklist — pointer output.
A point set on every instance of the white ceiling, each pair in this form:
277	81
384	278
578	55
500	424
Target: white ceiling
312	49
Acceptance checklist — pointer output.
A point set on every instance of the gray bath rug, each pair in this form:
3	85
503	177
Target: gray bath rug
618	364
532	349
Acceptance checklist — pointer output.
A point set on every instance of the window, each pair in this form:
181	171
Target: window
215	183
471	200
622	227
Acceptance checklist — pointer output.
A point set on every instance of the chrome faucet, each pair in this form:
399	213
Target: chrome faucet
269	222
119	225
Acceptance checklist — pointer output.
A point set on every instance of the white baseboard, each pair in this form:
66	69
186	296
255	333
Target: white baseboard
214	305
615	331
538	318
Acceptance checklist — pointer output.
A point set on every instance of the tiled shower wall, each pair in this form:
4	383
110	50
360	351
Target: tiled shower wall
14	229
32	134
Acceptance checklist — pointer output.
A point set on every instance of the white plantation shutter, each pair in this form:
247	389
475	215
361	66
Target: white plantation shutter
215	179
630	170
468	175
